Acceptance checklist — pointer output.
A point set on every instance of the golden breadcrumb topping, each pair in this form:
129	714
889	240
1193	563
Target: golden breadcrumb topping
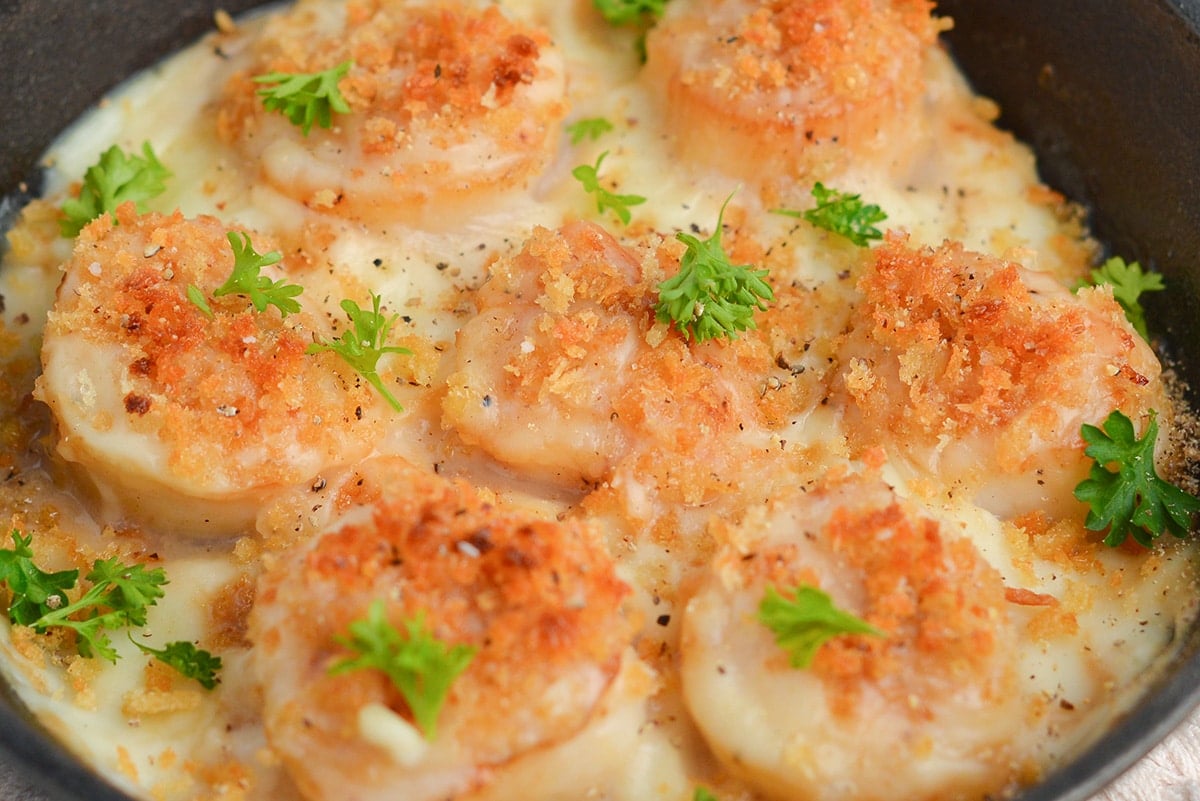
934	597
203	387
439	66
976	341
837	54
538	600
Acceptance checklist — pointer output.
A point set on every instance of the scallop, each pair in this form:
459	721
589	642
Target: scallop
564	372
552	676
175	420
931	701
814	83
980	372
451	105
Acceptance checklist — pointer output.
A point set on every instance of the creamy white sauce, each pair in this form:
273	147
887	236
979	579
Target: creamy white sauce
975	185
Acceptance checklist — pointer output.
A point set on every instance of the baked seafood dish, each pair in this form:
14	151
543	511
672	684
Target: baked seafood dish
554	400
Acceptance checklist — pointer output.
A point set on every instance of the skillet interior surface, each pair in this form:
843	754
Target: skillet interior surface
1107	92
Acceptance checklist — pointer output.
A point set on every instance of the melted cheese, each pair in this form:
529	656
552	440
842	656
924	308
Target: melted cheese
539	376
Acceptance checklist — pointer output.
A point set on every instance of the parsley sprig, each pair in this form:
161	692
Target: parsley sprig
361	345
34	592
843	214
626	12
1133	499
190	661
306	97
420	666
588	128
1128	282
115	179
710	297
589	176
804	622
247	279
118	598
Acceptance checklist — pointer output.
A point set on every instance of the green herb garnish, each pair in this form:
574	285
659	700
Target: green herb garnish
420	666
247	279
843	214
1133	499
710	297
590	128
185	657
803	623
119	598
306	97
626	12
588	175
1128	282
361	346
34	592
115	179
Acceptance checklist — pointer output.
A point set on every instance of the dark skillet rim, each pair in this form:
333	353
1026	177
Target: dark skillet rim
1163	705
1114	117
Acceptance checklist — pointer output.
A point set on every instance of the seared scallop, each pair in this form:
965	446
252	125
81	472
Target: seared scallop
448	105
550	676
565	373
813	83
980	372
174	419
926	706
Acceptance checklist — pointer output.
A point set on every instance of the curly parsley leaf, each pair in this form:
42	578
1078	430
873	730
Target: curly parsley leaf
1133	499
803	623
420	666
710	297
185	657
34	592
703	794
196	296
361	346
589	176
118	598
306	97
843	214
626	12
115	179
1128	282
590	128
247	279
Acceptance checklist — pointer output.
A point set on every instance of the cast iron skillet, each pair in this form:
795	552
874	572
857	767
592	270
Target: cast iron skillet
1108	92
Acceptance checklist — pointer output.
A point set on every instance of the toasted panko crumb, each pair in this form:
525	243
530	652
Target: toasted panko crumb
137	704
232	401
449	105
227	613
82	673
125	763
538	599
224	22
163	692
